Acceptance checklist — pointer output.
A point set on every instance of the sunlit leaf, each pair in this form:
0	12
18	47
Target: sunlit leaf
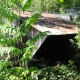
27	55
26	4
7	13
61	1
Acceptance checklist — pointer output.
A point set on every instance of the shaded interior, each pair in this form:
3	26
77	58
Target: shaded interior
55	49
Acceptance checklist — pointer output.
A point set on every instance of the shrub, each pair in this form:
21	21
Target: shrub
58	72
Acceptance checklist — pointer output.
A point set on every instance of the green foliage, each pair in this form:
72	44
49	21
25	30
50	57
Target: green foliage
61	1
76	44
7	14
77	21
58	72
13	47
53	6
11	40
77	3
28	23
44	6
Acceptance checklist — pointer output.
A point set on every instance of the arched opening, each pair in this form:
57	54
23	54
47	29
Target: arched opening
55	49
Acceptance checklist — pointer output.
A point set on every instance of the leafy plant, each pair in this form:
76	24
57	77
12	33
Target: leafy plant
14	52
58	72
76	44
53	6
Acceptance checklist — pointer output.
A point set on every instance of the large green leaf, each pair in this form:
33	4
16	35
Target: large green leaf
26	4
7	13
9	35
27	55
9	50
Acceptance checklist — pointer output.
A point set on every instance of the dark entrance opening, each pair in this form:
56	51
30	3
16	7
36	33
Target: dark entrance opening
55	49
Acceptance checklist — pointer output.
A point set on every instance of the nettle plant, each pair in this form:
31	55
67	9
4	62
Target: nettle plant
13	50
